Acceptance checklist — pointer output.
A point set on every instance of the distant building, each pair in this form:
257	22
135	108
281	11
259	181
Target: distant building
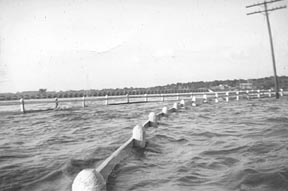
220	87
246	85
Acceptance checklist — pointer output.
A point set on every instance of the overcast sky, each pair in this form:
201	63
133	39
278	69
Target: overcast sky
95	44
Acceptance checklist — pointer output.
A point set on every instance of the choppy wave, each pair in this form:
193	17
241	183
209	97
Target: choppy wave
225	146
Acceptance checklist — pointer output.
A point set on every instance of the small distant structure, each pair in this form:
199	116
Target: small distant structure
220	87
246	86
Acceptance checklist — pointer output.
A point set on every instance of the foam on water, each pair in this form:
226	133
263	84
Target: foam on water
224	146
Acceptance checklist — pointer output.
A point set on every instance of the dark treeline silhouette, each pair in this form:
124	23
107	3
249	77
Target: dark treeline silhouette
200	86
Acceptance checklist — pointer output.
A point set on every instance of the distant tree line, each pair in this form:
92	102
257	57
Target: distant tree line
200	86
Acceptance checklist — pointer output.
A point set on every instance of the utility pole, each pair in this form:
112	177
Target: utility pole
266	12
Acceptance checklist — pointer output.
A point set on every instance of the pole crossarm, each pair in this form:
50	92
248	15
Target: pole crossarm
265	2
268	10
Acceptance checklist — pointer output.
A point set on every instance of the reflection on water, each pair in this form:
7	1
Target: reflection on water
225	146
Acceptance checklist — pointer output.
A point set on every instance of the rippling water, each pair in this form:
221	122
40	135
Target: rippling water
226	146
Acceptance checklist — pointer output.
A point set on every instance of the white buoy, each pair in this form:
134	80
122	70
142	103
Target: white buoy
165	110
127	96
270	94
153	119
258	94
83	101
227	96
175	106
89	180
247	92
139	136
191	95
56	103
193	101
178	96
281	92
106	100
182	103
146	98
22	107
204	98
237	96
216	98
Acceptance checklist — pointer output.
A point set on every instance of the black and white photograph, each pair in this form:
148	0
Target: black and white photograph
143	95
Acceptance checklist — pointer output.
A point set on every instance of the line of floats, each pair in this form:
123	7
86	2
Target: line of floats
94	179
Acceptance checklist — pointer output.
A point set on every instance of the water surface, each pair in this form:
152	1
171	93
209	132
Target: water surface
225	146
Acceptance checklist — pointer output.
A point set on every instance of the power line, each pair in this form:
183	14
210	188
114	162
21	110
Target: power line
266	11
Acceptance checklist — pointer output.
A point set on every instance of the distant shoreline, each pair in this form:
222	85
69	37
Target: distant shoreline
200	86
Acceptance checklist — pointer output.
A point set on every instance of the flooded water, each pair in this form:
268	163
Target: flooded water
225	146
